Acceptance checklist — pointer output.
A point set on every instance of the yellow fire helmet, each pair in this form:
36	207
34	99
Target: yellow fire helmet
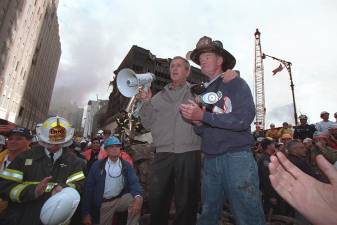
55	131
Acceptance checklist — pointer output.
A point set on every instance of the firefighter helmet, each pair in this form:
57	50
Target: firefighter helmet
100	133
59	208
55	131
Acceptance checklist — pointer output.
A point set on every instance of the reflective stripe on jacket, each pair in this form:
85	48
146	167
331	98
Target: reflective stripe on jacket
19	180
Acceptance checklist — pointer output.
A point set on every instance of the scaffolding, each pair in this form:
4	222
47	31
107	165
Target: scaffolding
259	83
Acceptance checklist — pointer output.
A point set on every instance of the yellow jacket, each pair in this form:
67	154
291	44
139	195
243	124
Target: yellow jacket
3	154
285	131
273	134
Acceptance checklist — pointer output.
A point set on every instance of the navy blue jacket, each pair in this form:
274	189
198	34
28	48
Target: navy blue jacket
228	127
95	183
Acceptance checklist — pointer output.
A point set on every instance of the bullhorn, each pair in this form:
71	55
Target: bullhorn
129	82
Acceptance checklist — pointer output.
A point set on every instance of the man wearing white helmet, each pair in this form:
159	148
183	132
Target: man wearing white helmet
325	123
41	172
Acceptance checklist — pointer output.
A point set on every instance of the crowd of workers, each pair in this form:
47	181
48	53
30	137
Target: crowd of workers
301	145
204	158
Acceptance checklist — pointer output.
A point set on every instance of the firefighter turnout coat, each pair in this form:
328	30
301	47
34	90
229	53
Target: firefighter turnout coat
19	180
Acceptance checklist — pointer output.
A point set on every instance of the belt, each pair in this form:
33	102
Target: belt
110	199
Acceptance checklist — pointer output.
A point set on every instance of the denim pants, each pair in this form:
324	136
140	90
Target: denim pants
232	176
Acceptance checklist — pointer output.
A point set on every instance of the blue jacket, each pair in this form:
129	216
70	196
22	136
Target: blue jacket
95	183
228	127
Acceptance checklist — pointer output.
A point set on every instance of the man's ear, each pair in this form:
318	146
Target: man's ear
220	60
189	72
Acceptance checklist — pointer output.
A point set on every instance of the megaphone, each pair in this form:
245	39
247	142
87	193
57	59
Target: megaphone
128	82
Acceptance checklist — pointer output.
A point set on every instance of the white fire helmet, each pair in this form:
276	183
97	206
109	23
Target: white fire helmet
100	133
55	131
59	208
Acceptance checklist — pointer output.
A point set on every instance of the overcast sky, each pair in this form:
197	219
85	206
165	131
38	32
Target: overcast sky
97	35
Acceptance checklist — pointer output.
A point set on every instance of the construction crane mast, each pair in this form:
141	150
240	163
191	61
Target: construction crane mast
259	82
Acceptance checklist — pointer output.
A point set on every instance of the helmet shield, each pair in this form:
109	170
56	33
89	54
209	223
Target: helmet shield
56	131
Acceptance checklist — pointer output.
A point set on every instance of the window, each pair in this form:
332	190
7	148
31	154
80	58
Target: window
2	98
5	103
17	65
21	111
2	16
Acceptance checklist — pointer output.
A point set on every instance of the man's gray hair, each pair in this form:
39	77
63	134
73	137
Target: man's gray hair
290	145
187	64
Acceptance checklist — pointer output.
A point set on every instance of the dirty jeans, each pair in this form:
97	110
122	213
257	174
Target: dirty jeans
232	176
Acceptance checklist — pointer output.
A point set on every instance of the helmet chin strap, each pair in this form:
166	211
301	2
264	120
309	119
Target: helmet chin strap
48	146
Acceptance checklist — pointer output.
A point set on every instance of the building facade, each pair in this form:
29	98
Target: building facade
30	51
76	121
90	121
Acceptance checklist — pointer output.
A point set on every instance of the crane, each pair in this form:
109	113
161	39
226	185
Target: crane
259	83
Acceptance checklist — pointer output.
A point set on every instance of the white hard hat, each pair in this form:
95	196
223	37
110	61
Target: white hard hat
59	208
307	140
55	130
35	139
2	140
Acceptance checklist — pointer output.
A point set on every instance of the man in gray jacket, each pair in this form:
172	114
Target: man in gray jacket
176	167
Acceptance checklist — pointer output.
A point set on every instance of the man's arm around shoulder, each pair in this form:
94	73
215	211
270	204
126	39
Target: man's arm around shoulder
243	110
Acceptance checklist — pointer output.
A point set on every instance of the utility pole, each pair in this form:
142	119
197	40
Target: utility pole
287	65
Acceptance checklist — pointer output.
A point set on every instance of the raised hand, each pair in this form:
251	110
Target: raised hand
136	206
41	187
145	95
87	220
192	111
315	200
229	75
